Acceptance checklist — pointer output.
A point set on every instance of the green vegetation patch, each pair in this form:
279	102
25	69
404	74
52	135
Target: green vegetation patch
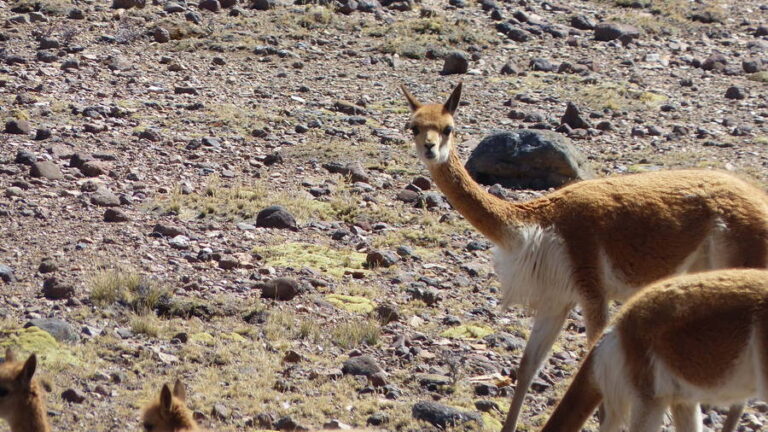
351	303
35	340
322	258
416	38
467	331
759	77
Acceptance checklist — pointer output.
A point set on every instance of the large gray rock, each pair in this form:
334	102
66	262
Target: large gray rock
276	217
60	330
526	159
441	415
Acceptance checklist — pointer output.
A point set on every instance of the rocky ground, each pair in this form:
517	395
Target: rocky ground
140	144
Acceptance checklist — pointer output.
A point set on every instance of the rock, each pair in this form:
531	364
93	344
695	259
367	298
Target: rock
103	197
161	35
737	93
115	215
276	217
422	183
93	168
487	406
582	22
349	108
625	33
25	157
387	313
716	61
53	289
73	396
17	127
361	366
573	117
280	289
381	259
47	265
42	134
510	68
353	170
220	411
288	424
456	62
263	4
441	415
127	4
505	341
60	330
14	191
408	196
210	5
527	159
70	64
168	230
6	274
761	31
47	170
542	65
179	242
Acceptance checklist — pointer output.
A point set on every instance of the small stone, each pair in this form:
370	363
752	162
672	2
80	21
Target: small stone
93	168
263	4
361	366
220	411
381	259
735	92
179	242
542	65
276	217
6	274
115	216
25	157
280	288
625	33
582	22
573	117
210	5
70	64
441	415
53	289
103	197
456	62
47	265
510	68
14	191
288	424
42	134
168	230
18	127
47	170
73	396
716	61
387	313
161	35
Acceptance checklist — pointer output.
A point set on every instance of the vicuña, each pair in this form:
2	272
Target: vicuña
596	240
698	338
22	398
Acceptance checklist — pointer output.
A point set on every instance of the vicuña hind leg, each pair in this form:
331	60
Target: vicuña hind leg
734	415
647	416
546	327
686	417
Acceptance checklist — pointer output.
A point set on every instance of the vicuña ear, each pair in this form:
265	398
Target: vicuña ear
166	400
179	391
10	356
28	371
412	102
453	102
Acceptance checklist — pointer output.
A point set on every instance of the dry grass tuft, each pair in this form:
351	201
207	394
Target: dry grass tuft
349	335
125	287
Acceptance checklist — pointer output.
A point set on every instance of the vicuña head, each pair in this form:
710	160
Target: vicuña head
169	413
432	127
698	338
22	398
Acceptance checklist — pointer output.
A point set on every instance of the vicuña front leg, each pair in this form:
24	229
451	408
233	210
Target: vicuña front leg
546	327
734	415
687	417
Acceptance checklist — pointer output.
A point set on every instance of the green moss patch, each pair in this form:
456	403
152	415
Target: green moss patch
467	331
35	340
318	257
349	303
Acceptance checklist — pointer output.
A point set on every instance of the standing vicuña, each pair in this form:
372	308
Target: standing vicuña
596	240
22	399
700	338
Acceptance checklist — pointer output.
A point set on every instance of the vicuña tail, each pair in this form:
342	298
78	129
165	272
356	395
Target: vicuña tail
580	401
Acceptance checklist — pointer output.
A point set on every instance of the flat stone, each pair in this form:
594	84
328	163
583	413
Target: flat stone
46	169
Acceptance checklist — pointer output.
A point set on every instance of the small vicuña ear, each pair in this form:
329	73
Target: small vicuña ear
412	102
453	102
179	391
10	356
166	400
28	371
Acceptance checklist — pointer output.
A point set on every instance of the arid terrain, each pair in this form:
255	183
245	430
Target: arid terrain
138	144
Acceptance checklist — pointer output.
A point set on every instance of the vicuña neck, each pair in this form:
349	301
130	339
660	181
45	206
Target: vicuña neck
491	215
32	417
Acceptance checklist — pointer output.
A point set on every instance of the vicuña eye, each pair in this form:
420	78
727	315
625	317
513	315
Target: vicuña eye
447	130
415	130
